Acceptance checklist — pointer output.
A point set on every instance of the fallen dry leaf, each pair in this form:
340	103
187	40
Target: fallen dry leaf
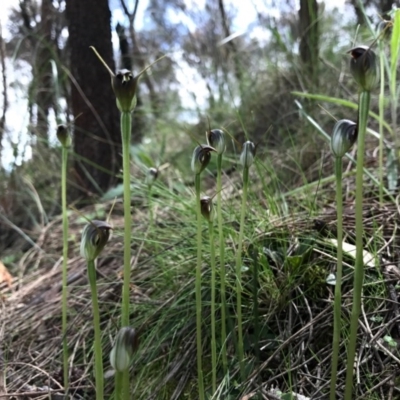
5	276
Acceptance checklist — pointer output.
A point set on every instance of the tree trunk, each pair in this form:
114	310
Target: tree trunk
309	42
232	48
43	78
5	92
97	138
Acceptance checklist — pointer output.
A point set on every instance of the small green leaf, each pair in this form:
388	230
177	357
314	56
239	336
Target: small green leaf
390	341
294	262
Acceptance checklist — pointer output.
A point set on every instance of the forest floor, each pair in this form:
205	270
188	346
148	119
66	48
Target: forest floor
287	306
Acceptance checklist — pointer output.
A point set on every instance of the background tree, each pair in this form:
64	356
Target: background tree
36	40
42	71
97	141
309	39
5	93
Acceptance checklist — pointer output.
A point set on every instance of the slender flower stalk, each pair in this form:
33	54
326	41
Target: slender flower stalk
200	159
343	137
94	237
365	70
98	359
381	107
126	127
246	159
393	83
124	85
64	138
207	210
216	139
255	306
198	293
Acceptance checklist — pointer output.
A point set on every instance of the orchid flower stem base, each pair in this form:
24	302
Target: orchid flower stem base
198	293
381	119
363	110
126	128
338	287
239	274
98	353
118	385
222	264
256	312
64	264
213	312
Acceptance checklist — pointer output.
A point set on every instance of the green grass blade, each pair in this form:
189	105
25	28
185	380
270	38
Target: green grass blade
341	102
394	49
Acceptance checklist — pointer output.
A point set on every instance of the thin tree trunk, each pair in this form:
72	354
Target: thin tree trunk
309	42
97	138
43	77
5	93
232	48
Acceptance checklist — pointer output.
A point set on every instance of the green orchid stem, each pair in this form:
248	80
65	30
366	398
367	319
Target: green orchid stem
151	214
338	286
213	339
222	263
255	311
126	128
98	353
239	274
198	292
363	110
118	385
64	265
381	119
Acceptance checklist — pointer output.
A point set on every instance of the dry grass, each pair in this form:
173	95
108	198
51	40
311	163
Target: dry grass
295	308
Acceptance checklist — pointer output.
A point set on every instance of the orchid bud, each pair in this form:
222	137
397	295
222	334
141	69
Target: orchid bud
124	86
364	67
344	135
151	176
207	208
201	157
64	136
95	236
248	154
126	343
216	139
